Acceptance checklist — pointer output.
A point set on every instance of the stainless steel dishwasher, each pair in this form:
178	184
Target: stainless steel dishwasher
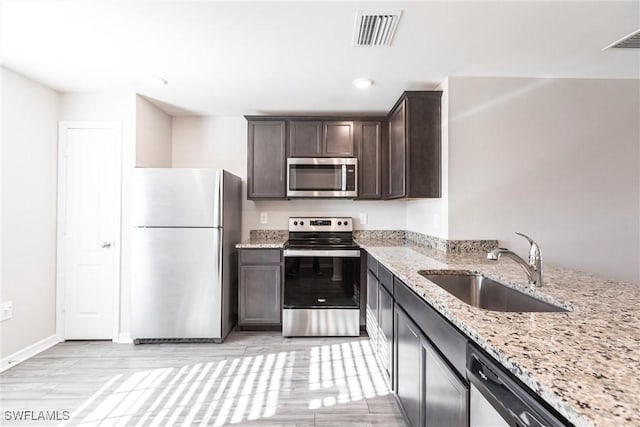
498	400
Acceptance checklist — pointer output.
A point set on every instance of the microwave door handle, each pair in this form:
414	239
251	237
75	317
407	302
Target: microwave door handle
344	177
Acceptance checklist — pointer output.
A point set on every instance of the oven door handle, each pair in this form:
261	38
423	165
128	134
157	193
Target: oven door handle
335	253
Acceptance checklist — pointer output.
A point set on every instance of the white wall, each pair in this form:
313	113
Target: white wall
153	135
29	168
221	142
210	142
558	159
120	108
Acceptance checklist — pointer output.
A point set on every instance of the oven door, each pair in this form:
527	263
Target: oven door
321	293
321	177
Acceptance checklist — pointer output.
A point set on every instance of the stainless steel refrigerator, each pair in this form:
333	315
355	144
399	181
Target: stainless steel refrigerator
186	225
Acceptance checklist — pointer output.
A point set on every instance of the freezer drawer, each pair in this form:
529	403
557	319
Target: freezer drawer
165	197
176	289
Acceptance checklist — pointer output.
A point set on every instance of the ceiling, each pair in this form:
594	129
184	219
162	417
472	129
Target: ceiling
236	57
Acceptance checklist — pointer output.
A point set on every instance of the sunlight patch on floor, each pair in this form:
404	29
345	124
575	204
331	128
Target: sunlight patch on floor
212	393
351	368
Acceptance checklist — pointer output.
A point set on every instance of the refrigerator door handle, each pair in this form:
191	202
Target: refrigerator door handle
217	202
220	255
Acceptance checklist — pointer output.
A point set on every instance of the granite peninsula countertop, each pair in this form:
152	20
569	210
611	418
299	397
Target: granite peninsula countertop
584	363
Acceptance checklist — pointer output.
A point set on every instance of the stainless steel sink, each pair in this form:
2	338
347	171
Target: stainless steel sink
480	291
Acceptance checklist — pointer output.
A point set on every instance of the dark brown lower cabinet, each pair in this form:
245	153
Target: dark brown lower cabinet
380	316
408	352
372	310
445	397
385	332
260	292
430	392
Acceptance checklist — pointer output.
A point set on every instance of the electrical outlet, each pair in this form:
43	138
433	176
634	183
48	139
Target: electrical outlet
264	217
363	218
6	310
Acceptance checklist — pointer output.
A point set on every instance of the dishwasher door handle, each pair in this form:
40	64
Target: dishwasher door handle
509	405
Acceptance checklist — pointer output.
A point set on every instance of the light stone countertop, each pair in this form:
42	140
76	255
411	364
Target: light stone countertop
265	239
585	363
262	243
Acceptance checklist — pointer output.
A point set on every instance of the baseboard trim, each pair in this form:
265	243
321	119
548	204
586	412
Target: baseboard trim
124	338
28	352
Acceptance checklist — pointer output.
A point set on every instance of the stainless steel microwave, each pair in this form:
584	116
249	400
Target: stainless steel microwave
322	177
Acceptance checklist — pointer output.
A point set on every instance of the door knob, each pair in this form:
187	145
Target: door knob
105	245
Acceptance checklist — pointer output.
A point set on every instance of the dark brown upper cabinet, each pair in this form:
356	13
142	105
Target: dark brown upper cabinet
414	163
305	138
266	159
398	155
312	138
337	139
371	157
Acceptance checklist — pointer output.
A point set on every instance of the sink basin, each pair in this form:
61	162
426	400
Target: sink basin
480	291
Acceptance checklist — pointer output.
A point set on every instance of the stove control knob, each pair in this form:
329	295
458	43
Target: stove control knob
340	222
301	222
295	222
345	223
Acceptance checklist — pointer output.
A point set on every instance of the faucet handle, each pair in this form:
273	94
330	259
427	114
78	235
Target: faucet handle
534	250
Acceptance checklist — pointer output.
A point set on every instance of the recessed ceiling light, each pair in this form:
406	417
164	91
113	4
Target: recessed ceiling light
157	81
362	83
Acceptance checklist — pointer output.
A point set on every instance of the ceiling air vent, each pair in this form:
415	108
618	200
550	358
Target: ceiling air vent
375	28
631	41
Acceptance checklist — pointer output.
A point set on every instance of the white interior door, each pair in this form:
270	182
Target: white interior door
90	212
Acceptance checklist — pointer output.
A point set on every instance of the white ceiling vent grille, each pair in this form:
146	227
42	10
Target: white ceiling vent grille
375	28
631	41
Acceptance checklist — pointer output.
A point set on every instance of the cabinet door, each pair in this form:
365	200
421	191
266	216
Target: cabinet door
369	137
305	138
445	399
337	139
408	351
372	309
260	294
423	136
385	335
266	159
397	152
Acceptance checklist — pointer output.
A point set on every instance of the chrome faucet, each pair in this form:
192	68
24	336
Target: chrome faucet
533	268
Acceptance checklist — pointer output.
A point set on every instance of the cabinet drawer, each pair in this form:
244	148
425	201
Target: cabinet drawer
260	256
445	337
372	264
386	278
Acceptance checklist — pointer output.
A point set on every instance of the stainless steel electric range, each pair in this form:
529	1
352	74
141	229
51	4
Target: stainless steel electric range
322	278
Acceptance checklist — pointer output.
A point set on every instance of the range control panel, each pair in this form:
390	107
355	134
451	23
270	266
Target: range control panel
320	224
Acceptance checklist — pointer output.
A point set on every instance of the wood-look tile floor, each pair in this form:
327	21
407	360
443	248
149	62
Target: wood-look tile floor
253	378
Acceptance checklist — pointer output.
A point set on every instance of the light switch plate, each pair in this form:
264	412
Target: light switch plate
264	217
363	218
6	310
